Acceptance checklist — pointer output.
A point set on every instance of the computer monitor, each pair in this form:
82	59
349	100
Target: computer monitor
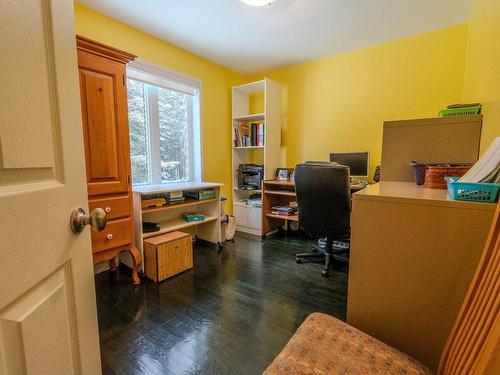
358	162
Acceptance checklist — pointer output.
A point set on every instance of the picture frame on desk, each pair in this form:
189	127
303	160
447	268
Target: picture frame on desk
284	174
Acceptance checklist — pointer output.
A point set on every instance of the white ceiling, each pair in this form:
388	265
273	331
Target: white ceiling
257	39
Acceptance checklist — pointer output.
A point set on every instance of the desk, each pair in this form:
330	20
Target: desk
413	254
169	217
281	193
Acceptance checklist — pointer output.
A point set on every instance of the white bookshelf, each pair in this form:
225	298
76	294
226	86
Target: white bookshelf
249	218
254	117
247	147
177	223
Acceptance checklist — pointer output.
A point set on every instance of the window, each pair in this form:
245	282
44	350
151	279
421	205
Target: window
164	125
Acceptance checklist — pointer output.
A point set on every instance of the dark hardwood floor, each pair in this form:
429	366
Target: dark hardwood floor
231	314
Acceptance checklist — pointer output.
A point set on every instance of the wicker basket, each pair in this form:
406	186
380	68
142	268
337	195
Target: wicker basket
435	175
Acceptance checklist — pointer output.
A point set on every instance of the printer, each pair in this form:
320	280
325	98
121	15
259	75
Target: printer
250	176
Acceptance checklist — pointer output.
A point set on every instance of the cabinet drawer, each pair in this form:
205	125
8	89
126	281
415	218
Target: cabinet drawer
115	206
117	233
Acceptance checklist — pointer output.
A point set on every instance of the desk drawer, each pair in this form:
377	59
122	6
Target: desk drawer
117	233
115	206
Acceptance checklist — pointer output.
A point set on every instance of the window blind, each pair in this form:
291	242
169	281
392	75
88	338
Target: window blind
156	75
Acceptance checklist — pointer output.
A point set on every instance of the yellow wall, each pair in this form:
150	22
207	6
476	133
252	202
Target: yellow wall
339	103
216	83
482	69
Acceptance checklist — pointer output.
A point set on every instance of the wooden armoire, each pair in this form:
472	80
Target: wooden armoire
103	91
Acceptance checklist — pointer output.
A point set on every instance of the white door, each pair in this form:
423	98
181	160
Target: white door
48	321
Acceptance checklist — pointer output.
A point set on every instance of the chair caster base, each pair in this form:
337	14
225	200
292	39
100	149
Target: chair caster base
298	260
325	273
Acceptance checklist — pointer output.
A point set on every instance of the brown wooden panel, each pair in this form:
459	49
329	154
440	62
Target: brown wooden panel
168	255
101	125
435	140
119	231
175	257
105	124
115	206
150	262
100	49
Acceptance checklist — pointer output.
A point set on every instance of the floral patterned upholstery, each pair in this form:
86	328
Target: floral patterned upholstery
325	345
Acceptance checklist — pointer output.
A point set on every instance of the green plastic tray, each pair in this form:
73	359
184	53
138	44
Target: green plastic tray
466	111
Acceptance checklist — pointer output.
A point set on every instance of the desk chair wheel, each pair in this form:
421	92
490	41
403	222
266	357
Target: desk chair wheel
298	260
325	273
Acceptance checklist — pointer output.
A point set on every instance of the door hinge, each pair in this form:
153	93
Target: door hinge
123	79
128	179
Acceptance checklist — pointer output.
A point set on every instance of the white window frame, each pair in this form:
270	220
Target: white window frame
147	72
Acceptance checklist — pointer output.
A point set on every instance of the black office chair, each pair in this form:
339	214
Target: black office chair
324	203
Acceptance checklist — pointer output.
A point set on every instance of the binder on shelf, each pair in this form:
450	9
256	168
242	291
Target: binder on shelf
260	135
253	134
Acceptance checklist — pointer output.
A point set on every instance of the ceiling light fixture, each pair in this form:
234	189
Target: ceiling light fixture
257	3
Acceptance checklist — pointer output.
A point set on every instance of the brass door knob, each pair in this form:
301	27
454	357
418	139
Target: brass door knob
79	219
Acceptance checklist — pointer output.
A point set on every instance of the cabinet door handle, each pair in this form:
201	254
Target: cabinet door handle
107	209
109	236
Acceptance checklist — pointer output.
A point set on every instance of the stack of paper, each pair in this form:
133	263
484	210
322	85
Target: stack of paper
487	168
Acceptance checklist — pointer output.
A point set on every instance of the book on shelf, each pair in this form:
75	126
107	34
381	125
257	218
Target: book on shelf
176	199
248	135
236	137
200	194
282	213
283	210
245	141
253	134
193	216
175	194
